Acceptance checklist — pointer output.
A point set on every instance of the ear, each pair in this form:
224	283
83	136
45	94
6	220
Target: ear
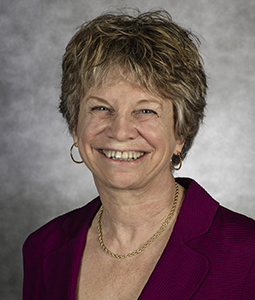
74	135
179	146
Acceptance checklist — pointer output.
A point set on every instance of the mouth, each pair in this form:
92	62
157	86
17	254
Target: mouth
126	155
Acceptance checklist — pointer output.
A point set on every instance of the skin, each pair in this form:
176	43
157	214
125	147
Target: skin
122	116
137	195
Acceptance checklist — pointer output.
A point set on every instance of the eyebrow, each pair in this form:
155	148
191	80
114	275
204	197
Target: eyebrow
157	101
96	98
150	100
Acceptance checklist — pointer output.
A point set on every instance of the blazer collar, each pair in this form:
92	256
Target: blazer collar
197	212
61	267
181	270
177	275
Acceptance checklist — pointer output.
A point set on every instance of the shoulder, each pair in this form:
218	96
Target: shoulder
226	238
199	204
211	221
228	233
234	226
60	230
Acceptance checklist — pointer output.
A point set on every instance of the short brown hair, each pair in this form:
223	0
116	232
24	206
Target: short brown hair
161	55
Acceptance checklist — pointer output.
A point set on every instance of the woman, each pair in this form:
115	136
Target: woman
133	94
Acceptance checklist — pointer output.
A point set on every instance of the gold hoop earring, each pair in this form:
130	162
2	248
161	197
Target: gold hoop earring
176	169
71	154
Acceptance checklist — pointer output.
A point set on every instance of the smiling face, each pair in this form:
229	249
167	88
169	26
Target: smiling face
125	136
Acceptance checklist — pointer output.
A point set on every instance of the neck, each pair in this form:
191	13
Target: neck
134	207
130	217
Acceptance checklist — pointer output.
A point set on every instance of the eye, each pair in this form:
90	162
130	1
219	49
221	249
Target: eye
99	108
145	114
148	111
102	111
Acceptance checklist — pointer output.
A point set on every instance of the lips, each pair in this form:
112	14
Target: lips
126	155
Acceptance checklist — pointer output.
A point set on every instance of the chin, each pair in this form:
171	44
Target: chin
118	182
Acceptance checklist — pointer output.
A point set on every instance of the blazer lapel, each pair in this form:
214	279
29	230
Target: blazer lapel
61	267
181	270
179	273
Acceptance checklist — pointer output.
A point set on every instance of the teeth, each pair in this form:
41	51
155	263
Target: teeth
118	155
125	155
108	153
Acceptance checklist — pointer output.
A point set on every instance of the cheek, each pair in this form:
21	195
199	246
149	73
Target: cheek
159	134
90	128
152	134
156	129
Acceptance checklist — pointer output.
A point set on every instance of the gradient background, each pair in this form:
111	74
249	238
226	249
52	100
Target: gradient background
38	179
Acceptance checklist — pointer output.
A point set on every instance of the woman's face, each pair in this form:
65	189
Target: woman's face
125	135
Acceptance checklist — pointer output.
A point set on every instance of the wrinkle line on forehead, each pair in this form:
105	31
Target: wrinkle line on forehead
148	95
145	99
92	98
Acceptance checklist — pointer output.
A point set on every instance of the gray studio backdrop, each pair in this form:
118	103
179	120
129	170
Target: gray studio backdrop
38	179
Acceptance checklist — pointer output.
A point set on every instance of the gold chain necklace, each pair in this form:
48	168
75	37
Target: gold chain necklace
152	239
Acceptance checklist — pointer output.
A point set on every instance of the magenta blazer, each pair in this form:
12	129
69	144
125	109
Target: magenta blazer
210	254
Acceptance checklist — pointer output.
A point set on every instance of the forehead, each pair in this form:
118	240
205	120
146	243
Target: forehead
121	81
116	74
122	91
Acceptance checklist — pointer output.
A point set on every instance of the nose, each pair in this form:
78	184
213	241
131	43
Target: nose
122	128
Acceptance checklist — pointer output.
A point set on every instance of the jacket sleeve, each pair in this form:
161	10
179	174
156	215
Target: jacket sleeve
249	288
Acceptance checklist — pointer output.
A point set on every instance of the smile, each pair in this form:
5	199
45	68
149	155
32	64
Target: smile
126	155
